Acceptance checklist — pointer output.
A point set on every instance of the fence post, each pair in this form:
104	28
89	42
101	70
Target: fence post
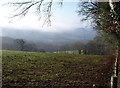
114	81
114	78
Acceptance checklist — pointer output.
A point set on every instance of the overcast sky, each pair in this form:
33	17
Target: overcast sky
63	18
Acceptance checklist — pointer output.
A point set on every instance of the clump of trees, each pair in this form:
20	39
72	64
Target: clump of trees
106	16
97	46
20	45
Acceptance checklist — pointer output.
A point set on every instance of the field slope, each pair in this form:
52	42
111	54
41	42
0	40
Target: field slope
29	69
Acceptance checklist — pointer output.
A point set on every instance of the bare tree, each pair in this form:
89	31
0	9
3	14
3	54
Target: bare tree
20	43
42	6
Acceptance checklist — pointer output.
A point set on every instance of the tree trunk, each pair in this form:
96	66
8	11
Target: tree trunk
117	57
114	78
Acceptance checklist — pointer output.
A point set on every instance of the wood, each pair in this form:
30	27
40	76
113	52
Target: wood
114	81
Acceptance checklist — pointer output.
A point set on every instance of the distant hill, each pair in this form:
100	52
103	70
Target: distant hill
82	35
7	40
47	41
8	43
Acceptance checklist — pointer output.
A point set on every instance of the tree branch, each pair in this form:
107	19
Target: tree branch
24	8
48	13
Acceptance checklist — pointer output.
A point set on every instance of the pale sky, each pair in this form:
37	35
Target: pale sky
63	18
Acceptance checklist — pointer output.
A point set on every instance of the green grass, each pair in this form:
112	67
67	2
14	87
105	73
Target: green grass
49	69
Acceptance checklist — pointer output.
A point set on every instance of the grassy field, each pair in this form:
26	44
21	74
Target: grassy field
49	70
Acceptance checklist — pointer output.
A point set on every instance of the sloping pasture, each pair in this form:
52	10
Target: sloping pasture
49	70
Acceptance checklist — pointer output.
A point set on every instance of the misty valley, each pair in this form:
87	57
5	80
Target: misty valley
36	41
74	46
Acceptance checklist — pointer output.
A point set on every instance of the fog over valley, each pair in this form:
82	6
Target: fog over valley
48	41
82	35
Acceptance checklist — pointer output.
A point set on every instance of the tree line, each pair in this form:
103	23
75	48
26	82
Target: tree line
97	46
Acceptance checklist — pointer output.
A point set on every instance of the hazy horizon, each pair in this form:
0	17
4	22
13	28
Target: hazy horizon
66	24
